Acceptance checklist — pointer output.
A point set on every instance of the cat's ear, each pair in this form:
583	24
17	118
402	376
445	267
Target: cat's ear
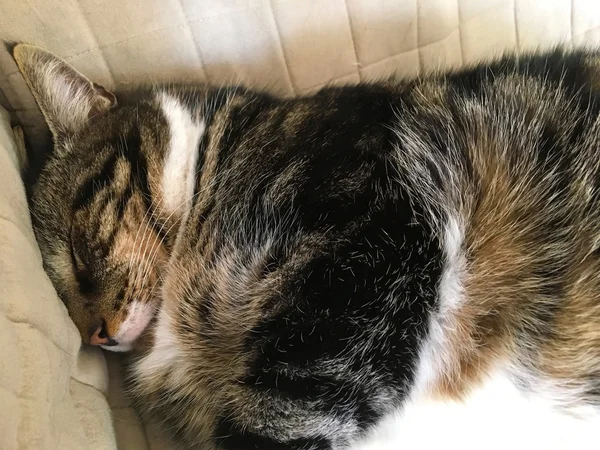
66	98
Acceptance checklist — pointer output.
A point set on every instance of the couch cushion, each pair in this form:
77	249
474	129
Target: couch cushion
290	46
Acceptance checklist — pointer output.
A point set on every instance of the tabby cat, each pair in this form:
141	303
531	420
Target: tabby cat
291	272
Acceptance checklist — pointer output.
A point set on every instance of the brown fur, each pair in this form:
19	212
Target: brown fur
264	330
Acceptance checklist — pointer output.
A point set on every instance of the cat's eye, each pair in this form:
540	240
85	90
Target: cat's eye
86	284
82	272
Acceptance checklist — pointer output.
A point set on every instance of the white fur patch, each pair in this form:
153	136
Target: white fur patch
451	290
496	416
165	351
434	354
138	318
179	173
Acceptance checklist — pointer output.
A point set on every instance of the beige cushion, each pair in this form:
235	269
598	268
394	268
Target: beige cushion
52	391
291	46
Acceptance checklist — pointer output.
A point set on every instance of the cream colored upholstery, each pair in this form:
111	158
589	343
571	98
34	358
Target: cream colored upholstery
52	392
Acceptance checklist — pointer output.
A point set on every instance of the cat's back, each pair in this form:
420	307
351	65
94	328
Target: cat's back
351	248
505	156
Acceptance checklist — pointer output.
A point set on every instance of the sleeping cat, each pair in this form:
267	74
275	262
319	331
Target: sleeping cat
290	272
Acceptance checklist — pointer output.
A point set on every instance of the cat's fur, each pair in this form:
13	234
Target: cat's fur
305	265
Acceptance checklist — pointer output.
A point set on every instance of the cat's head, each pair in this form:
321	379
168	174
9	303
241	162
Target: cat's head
90	205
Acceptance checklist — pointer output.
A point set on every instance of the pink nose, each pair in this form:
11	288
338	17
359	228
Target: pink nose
100	336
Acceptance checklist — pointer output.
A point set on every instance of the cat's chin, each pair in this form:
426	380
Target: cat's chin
133	330
120	348
143	343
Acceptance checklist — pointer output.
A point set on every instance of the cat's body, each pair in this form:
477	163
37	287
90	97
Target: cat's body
309	266
299	257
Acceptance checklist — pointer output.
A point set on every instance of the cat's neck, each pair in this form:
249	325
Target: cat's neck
194	120
173	173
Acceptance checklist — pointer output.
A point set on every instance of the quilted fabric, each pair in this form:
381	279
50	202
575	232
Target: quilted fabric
52	391
290	46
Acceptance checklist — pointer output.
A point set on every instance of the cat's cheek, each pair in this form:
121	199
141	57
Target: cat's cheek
146	340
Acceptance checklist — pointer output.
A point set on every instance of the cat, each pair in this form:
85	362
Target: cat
289	272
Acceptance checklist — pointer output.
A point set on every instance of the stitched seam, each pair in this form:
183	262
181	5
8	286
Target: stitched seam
460	36
328	82
196	47
357	63
13	223
83	383
374	62
149	33
115	44
518	44
110	73
283	55
419	57
408	51
10	391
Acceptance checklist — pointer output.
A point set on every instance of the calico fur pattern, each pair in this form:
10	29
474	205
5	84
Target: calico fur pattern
306	264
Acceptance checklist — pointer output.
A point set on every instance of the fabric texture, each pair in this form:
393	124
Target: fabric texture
289	46
55	393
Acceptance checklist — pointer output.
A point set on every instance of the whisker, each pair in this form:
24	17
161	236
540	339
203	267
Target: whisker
149	210
145	266
142	270
152	257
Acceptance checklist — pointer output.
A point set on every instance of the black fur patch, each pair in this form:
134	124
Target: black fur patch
229	436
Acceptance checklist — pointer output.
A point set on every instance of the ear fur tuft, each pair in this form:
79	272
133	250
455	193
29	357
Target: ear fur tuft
66	98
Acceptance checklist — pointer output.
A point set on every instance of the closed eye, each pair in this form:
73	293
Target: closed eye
86	284
82	272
